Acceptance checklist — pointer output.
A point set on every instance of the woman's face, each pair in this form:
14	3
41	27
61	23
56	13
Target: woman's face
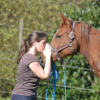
41	45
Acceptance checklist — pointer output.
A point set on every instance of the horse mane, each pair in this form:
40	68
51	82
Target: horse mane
85	31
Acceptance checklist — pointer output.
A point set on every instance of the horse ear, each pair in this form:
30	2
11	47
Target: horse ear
64	19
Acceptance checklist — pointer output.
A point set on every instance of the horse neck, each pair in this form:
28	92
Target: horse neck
82	37
89	45
88	38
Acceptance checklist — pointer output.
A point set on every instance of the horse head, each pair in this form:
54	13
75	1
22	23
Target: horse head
64	42
72	37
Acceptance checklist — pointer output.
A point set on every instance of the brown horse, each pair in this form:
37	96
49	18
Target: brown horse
73	37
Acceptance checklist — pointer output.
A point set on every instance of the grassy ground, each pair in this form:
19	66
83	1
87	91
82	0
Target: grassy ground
5	98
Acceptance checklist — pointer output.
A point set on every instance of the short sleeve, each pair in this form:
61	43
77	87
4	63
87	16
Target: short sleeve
29	59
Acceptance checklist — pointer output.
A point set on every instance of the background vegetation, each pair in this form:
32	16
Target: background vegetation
44	15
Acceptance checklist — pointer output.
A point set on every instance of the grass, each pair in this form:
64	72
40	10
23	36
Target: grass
5	98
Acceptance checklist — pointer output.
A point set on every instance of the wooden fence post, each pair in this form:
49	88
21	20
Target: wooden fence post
21	30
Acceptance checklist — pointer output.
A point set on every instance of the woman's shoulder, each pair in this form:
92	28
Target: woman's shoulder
28	55
29	58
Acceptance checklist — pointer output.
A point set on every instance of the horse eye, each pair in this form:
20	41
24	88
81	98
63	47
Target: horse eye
58	36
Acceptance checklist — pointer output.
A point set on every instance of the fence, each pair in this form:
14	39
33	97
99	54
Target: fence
59	84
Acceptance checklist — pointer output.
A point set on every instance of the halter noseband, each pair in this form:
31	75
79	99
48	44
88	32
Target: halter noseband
69	44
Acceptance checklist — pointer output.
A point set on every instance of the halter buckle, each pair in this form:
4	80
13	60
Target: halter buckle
55	52
71	35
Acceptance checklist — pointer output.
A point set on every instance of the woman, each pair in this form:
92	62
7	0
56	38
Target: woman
29	69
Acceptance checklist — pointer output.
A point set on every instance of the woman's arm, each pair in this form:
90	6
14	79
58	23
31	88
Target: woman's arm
43	74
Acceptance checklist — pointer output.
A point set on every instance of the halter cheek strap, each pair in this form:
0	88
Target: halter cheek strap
71	35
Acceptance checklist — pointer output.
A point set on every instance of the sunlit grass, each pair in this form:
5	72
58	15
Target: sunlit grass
5	98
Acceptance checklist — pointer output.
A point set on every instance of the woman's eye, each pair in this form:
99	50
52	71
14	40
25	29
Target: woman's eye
58	36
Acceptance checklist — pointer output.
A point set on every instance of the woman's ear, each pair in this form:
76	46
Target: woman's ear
34	43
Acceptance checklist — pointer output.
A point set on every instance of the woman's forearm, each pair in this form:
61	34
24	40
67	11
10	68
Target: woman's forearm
47	68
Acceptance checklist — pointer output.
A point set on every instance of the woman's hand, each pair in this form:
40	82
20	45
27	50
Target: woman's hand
47	50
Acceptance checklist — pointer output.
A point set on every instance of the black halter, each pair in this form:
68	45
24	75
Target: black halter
69	44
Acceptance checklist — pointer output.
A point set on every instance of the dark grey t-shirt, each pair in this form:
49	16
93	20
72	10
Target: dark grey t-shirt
27	81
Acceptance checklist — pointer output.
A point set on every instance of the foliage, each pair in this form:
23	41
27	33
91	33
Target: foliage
44	16
89	15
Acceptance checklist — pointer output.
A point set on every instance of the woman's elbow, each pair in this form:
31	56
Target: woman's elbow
46	79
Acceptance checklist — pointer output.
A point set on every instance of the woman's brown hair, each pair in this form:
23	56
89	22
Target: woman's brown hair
28	42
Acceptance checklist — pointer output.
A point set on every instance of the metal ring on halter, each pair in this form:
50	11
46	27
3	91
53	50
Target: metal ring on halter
71	35
55	52
72	49
70	44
